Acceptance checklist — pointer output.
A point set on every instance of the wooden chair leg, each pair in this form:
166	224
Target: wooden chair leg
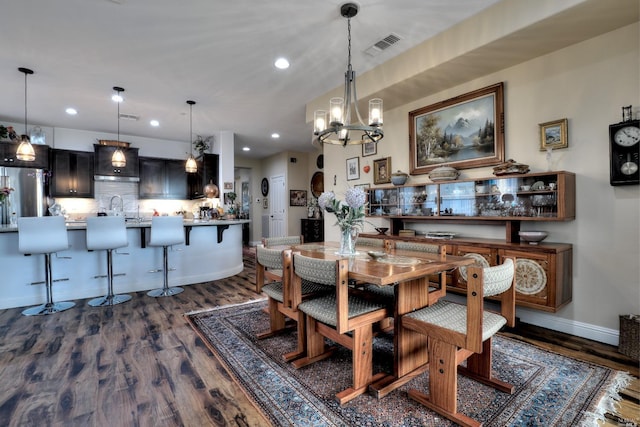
362	364
443	384
277	320
315	347
302	339
479	369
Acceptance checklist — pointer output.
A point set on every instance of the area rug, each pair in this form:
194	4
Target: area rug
550	389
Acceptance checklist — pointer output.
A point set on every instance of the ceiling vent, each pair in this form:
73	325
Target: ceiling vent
131	117
382	44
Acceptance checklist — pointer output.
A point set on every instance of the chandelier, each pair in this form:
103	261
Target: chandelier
25	150
118	160
191	166
340	130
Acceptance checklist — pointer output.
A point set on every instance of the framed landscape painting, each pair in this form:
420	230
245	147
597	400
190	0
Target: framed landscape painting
462	132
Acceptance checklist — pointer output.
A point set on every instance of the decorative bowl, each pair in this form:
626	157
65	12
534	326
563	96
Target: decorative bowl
399	178
444	173
376	254
382	230
533	237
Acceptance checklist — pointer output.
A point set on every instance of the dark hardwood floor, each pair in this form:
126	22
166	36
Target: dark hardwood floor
140	364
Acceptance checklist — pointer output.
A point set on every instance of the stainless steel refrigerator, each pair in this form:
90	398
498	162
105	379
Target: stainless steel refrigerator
28	197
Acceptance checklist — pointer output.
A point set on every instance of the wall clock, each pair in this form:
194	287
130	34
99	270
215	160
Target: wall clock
624	150
264	187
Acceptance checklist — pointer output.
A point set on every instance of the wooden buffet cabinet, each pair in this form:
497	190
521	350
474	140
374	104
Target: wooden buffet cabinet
543	271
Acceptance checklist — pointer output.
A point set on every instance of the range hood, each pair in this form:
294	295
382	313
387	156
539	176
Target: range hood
104	171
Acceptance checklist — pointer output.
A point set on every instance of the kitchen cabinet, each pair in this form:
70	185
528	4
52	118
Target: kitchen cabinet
162	179
508	200
208	167
71	174
8	156
312	230
105	171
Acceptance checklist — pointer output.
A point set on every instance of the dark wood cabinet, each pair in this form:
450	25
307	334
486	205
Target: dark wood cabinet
104	171
312	230
8	156
71	173
162	179
208	167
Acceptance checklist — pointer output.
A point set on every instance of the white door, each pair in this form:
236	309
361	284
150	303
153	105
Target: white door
277	205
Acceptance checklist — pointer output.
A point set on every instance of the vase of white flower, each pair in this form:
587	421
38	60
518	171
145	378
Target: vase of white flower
349	214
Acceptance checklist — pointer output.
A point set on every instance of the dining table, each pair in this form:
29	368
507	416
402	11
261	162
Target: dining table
408	272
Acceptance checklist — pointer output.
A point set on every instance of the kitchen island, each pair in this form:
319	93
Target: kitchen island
212	251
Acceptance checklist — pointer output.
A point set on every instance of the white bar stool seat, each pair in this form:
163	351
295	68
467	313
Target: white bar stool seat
107	233
166	231
44	235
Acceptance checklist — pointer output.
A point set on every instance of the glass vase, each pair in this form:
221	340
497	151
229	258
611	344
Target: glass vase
348	237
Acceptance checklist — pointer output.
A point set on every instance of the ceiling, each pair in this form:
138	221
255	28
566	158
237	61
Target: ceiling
220	54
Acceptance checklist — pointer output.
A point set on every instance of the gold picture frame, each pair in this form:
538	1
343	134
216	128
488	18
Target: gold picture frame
554	135
382	171
462	132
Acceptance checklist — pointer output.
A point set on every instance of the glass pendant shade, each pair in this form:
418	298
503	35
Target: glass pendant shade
25	150
118	159
191	166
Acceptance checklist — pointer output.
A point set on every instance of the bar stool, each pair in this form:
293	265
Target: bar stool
166	231
107	233
44	235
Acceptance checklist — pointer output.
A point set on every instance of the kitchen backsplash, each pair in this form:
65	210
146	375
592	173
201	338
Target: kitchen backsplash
133	207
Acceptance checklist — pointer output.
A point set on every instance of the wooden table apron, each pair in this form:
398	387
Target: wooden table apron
411	292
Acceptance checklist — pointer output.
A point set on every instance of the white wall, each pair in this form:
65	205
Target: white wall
587	83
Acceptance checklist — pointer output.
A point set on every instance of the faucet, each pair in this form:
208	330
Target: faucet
121	204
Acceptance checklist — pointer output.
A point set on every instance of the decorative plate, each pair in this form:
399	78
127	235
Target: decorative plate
530	277
401	261
479	259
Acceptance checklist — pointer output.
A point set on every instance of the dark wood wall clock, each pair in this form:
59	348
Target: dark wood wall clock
264	186
624	150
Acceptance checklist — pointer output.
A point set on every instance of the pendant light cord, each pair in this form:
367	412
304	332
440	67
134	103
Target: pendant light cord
25	103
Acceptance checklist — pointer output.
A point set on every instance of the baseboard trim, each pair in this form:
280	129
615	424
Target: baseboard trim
568	326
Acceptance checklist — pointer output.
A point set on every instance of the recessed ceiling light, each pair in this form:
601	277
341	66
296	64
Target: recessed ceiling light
246	149
275	135
71	111
282	63
154	123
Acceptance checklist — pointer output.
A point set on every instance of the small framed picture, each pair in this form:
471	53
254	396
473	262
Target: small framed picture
365	187
553	135
297	197
228	185
382	171
369	149
353	168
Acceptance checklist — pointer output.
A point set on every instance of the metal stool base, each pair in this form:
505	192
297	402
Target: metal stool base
109	300
165	292
48	308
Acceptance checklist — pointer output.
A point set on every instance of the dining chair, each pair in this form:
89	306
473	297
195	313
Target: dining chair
341	316
458	332
279	294
276	274
370	242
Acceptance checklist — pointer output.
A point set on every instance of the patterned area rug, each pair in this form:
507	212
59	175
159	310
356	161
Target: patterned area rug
551	390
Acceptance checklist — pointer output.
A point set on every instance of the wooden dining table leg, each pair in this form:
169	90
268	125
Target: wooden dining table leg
410	355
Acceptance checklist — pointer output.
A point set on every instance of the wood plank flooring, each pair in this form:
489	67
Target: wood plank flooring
140	364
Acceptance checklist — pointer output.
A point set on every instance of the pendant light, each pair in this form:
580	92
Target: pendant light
118	160
191	166
25	149
338	129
